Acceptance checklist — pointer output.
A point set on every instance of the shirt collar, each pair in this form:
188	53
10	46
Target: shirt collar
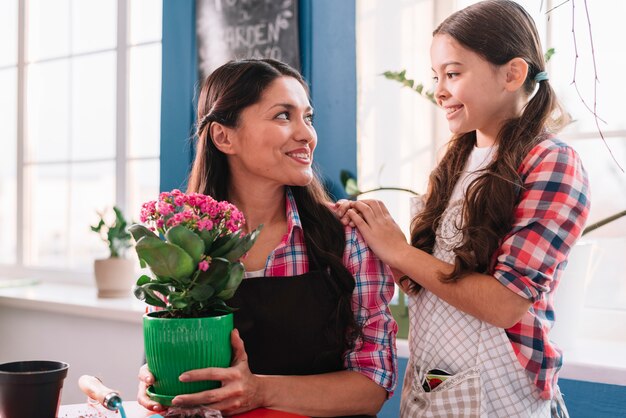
293	217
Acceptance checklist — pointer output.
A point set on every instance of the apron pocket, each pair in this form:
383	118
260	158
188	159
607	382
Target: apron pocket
458	396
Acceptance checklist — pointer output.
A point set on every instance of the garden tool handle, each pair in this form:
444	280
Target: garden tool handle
96	390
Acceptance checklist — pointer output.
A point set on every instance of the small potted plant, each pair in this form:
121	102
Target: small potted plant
114	275
193	245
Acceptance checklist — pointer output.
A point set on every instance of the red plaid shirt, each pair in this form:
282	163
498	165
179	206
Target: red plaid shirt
553	209
375	355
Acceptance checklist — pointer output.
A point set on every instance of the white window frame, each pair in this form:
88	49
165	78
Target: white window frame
19	270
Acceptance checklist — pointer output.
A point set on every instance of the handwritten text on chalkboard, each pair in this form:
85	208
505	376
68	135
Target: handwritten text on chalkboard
229	29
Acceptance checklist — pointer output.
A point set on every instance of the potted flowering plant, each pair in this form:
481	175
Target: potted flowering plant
192	245
114	275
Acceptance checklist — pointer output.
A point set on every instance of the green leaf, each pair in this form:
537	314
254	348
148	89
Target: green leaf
158	287
139	231
202	292
224	244
215	306
344	176
352	188
187	240
209	239
549	53
165	259
243	245
143	280
236	274
148	296
178	301
217	274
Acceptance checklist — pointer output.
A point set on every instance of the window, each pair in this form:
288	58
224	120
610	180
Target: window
80	117
401	133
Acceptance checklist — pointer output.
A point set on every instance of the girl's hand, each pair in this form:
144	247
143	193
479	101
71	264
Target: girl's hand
340	208
240	391
146	379
378	228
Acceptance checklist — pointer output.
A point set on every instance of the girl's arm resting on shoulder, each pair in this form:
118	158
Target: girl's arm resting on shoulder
477	294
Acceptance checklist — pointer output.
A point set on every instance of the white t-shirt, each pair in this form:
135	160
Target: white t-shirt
478	159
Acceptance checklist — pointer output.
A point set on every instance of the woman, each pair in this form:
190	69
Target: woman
313	309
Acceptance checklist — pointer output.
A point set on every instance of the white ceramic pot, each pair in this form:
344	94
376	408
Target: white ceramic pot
114	277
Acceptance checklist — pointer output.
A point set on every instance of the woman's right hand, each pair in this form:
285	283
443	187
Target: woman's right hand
146	379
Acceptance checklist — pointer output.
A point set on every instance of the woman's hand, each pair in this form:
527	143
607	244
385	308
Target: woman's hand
146	379
240	391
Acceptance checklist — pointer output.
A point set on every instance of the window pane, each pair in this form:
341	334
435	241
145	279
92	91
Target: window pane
145	101
8	186
48	111
93	106
607	27
92	189
395	131
143	185
607	287
48	29
47	216
145	21
607	182
94	25
8	32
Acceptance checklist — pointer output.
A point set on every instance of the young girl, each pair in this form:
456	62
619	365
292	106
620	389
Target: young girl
504	207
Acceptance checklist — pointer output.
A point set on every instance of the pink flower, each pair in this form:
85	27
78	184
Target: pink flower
203	265
165	208
205	225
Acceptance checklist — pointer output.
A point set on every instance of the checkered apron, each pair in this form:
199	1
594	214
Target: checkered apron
488	380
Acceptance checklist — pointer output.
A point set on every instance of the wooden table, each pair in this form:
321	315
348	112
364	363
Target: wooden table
134	410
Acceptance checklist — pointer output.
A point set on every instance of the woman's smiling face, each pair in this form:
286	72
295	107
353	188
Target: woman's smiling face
274	139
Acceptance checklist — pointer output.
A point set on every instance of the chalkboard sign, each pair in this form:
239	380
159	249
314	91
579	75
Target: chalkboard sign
230	29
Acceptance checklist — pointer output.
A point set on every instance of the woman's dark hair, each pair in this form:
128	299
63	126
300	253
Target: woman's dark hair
497	30
225	93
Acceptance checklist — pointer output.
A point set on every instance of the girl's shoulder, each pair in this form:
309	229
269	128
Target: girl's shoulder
550	154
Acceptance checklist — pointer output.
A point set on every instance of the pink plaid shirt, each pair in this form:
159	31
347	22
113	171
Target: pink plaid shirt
375	355
552	211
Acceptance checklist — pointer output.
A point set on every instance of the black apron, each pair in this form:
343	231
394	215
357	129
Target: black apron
287	324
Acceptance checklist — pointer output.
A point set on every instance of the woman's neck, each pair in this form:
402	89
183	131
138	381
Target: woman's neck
260	205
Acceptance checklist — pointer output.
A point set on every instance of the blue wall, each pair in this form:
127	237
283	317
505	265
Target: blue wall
179	77
328	63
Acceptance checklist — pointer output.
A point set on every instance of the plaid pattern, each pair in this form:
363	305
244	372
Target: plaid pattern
375	355
550	217
458	396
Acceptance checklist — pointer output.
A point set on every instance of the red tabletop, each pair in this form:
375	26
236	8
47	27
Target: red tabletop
134	410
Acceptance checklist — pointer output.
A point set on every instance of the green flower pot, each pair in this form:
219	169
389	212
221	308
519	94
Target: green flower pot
176	345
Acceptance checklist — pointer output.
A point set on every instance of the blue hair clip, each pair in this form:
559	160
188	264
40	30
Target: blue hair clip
541	76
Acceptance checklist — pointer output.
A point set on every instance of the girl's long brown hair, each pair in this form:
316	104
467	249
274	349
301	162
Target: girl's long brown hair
223	95
497	30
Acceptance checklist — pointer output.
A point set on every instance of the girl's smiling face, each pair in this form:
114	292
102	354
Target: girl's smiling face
471	90
274	139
